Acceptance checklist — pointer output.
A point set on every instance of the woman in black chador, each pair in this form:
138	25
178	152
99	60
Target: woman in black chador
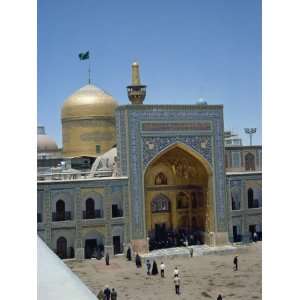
154	268
219	297
107	259
128	255
138	261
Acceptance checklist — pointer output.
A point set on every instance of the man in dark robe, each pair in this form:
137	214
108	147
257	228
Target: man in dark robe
106	293
128	254
235	261
107	259
154	268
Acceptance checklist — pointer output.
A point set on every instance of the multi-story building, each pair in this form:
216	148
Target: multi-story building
244	191
144	176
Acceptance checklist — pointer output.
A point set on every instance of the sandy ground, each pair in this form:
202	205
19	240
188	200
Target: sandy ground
202	277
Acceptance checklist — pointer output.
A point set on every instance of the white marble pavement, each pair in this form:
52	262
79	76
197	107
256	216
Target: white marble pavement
185	251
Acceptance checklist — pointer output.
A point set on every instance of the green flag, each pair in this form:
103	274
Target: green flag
83	56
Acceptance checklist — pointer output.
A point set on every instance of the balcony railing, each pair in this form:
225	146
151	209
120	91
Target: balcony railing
117	213
94	214
64	216
236	205
254	204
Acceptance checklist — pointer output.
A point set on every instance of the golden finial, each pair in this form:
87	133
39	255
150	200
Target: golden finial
136	91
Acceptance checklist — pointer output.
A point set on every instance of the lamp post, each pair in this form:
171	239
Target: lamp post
250	131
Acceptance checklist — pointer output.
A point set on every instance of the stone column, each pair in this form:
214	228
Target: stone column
245	229
190	211
79	247
173	210
47	216
108	247
229	209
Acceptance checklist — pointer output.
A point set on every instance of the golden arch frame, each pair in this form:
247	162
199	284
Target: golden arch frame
210	216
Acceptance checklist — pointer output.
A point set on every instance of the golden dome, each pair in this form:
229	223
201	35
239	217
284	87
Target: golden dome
89	101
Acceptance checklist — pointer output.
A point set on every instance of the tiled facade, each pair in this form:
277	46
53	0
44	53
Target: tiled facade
244	192
143	132
76	227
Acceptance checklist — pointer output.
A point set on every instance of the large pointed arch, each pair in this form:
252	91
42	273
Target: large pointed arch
186	148
189	173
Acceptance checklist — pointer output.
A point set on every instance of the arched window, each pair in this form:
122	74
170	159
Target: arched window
160	204
249	162
61	247
182	200
250	198
90	208
60	210
235	199
161	179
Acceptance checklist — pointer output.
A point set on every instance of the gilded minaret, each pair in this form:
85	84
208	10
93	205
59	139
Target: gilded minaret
136	91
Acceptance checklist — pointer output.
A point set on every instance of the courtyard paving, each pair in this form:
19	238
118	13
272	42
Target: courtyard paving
204	276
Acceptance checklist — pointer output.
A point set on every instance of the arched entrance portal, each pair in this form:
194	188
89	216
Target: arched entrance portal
179	204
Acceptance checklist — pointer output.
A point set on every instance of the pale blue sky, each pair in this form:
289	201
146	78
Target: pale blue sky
187	50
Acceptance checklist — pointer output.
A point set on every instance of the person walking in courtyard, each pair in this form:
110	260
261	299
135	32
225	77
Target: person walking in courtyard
138	261
219	297
148	267
113	295
235	261
154	268
128	255
162	270
176	272
100	295
191	252
106	293
107	259
177	285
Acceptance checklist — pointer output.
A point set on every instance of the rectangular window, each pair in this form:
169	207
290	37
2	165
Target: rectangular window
98	150
236	159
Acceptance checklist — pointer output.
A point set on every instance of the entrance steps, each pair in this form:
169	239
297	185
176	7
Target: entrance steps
198	250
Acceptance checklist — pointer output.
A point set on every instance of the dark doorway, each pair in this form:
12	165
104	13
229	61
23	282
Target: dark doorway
252	229
61	247
117	244
90	248
236	236
160	232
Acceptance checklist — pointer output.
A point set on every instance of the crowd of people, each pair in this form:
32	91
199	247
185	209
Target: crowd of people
174	238
152	269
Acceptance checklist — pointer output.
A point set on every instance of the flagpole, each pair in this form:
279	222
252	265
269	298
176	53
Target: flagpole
89	71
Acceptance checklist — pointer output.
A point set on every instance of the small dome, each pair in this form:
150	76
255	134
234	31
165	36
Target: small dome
45	143
89	101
